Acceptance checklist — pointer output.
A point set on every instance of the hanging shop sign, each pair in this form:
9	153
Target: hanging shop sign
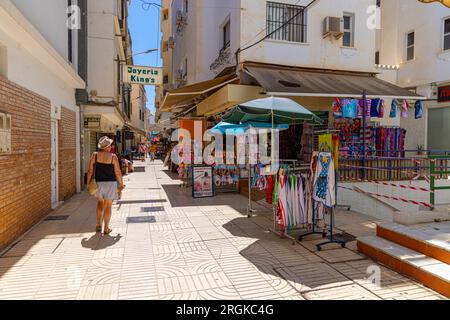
444	94
202	182
151	76
92	122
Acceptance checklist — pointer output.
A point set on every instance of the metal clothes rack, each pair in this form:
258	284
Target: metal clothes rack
331	236
275	230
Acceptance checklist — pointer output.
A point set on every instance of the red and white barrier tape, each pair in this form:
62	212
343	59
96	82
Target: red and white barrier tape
389	184
417	203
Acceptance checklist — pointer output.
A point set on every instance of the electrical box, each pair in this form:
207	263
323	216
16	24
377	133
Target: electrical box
5	133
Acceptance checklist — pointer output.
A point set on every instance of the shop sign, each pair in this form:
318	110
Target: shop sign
92	122
142	75
444	94
202	182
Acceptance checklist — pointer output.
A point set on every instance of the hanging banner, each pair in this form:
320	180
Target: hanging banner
330	143
151	76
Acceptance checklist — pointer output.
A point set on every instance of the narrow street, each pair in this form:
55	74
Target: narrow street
166	245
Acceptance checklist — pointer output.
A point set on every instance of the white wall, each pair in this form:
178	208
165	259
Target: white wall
102	69
431	63
317	52
49	17
201	38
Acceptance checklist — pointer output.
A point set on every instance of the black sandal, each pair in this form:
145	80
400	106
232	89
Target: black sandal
98	229
108	231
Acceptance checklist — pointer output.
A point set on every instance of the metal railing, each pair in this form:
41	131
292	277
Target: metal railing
408	165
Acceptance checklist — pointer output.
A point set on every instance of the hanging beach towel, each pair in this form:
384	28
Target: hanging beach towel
418	109
405	109
394	107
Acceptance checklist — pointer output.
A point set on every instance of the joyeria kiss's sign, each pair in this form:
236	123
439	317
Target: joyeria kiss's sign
444	2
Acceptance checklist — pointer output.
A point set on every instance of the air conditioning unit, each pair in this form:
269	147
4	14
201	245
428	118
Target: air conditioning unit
333	26
171	42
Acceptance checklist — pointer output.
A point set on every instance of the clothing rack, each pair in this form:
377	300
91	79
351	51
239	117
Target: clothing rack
274	207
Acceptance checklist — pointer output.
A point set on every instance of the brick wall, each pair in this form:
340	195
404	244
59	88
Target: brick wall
25	174
67	154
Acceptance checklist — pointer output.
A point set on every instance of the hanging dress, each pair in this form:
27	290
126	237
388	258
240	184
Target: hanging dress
405	109
282	203
394	107
324	182
301	201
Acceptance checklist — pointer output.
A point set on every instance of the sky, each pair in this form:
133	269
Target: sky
144	25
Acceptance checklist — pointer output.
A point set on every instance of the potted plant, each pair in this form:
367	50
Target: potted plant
420	150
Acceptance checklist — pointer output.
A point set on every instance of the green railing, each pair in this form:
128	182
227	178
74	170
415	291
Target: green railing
438	170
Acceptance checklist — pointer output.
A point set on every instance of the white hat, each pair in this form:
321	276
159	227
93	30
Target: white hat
104	143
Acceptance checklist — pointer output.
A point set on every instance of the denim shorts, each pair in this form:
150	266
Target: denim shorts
107	190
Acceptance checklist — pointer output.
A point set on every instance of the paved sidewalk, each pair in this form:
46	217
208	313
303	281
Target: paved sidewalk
188	249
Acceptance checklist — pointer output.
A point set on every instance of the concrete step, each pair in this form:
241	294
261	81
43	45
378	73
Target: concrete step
426	270
432	240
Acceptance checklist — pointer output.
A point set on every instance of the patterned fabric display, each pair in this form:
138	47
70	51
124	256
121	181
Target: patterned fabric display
322	180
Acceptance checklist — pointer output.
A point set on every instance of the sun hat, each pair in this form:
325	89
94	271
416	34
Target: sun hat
104	143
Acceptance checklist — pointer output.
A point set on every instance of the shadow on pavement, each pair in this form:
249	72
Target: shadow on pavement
303	270
100	242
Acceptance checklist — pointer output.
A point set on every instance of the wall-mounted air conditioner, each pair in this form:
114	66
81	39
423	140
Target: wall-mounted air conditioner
333	26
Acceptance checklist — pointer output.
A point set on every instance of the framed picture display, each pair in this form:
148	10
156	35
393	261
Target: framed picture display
202	182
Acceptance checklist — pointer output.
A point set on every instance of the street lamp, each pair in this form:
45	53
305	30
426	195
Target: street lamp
145	52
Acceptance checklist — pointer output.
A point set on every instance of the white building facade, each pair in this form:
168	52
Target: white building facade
218	30
107	100
416	38
40	153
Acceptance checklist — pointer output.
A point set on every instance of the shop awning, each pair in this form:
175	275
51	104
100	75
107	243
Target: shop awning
236	129
188	94
307	82
136	130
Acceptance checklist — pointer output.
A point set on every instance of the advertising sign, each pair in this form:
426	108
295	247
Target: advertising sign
444	94
202	182
143	75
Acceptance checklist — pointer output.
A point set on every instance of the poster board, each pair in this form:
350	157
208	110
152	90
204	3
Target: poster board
202	182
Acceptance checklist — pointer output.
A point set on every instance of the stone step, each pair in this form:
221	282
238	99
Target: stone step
432	240
426	270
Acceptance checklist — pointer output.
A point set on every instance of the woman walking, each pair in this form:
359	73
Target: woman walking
105	169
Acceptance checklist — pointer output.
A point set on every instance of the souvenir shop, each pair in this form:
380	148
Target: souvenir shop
303	193
222	178
378	139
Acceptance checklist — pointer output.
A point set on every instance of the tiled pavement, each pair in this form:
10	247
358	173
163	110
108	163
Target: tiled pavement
191	249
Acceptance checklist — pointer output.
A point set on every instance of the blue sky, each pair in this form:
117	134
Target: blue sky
144	24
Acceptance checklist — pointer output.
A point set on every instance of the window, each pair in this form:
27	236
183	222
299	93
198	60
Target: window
447	34
378	3
377	57
410	41
349	30
286	22
186	6
226	33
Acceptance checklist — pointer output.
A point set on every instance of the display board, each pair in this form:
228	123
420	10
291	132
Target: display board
202	182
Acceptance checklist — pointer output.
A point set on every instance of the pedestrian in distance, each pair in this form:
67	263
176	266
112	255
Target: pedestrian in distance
104	180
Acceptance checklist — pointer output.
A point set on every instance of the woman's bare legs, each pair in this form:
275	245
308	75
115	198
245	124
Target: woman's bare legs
107	215
100	209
